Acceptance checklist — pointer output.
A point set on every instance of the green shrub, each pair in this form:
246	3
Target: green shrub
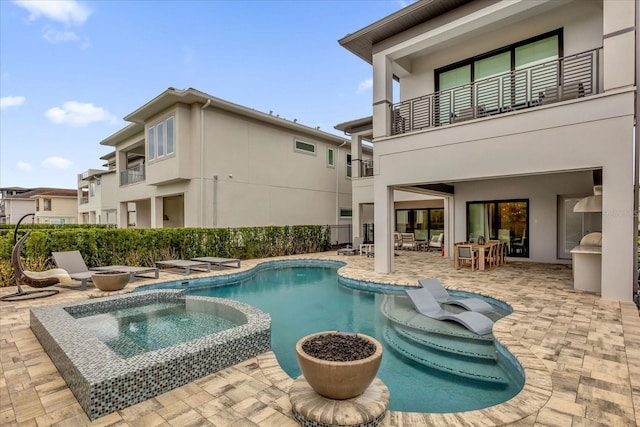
111	246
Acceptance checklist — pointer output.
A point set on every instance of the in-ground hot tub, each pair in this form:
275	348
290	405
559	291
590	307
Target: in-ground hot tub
107	372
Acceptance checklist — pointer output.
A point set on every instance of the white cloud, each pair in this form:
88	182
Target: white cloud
11	101
56	163
55	36
23	166
365	86
75	113
69	12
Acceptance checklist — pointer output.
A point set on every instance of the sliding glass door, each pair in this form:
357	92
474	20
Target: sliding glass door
505	220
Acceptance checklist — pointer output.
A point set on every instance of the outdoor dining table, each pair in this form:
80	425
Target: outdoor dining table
481	250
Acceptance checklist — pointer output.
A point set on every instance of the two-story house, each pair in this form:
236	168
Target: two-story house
189	159
510	112
97	194
49	205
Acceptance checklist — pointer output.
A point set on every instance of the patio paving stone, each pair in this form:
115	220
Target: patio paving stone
581	357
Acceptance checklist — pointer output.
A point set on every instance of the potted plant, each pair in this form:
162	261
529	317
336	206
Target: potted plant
110	280
339	365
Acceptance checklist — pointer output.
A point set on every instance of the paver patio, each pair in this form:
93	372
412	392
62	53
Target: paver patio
581	357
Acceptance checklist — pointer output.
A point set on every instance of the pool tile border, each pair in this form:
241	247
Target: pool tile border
103	382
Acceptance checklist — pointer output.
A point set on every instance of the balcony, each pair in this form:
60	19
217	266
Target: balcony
84	200
366	168
132	175
554	81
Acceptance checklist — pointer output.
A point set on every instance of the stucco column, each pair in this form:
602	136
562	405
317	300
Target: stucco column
449	226
382	95
356	154
122	215
384	220
156	212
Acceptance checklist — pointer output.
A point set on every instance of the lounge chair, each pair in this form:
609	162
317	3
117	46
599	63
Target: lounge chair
435	287
219	262
427	305
184	266
72	262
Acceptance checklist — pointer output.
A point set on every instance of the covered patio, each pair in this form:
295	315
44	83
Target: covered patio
581	356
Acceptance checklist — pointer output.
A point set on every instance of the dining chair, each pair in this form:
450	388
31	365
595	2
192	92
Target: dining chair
466	254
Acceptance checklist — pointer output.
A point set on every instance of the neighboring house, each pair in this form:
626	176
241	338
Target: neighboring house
510	112
13	206
97	190
189	159
50	205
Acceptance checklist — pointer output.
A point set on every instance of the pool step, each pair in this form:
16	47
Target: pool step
483	370
462	347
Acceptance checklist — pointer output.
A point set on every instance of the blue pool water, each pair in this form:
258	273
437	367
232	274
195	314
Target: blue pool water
130	331
304	300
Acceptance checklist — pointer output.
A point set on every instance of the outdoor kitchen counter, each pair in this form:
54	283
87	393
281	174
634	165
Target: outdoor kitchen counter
587	268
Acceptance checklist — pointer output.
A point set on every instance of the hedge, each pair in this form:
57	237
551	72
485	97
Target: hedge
112	246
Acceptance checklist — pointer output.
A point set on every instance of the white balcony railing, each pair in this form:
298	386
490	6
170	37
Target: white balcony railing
565	78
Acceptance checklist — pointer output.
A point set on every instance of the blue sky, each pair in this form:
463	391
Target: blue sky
71	70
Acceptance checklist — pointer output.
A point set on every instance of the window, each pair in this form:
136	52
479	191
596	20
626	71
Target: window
346	213
424	223
47	204
505	220
160	137
92	188
37	205
170	135
349	165
98	181
151	143
305	147
457	97
330	157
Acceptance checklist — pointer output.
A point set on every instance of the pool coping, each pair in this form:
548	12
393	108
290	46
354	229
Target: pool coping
103	382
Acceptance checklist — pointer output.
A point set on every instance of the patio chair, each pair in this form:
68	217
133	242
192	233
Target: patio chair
34	279
409	241
440	293
426	304
352	249
436	242
73	263
466	254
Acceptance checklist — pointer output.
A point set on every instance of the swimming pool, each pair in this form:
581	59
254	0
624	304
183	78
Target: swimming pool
421	376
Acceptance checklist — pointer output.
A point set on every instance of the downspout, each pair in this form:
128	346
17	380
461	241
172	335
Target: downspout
338	181
201	219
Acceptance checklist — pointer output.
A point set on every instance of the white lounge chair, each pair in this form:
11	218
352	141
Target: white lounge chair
427	305
440	293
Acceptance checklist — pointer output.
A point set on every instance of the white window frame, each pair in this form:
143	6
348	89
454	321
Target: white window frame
303	151
159	138
348	171
331	157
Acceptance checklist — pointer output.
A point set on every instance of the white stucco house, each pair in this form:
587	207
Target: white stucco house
508	112
189	159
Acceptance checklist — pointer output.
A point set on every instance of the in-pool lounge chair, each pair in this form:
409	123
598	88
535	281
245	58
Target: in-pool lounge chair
73	263
435	287
219	263
426	305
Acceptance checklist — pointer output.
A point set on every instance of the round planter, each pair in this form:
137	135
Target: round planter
338	380
110	280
